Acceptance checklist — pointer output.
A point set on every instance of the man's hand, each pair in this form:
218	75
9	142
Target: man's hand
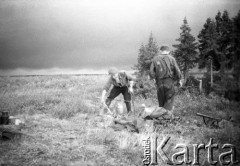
130	89
180	83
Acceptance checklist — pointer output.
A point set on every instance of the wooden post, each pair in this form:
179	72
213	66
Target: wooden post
211	72
200	86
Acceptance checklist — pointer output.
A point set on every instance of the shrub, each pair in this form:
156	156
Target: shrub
191	85
145	88
223	85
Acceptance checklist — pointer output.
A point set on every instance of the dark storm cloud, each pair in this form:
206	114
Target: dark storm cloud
92	34
32	39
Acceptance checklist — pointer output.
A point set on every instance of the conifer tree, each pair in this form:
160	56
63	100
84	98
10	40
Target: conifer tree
236	48
145	55
208	47
141	56
186	50
224	29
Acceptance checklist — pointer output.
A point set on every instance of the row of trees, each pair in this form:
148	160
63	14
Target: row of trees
219	44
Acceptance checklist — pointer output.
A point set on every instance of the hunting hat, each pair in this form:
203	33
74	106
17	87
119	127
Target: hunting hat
164	48
112	70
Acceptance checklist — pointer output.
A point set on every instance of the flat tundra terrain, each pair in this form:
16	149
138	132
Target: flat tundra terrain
63	125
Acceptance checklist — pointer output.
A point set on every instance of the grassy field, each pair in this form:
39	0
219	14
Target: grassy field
63	125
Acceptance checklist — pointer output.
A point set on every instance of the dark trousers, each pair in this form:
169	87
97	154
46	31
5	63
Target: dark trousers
115	92
166	93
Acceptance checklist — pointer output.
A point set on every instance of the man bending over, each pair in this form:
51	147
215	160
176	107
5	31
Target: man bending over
122	83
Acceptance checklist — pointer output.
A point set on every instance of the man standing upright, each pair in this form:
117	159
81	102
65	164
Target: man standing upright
122	83
165	71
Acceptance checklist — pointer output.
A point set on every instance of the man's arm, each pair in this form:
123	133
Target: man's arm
130	77
152	71
177	72
108	84
105	89
103	95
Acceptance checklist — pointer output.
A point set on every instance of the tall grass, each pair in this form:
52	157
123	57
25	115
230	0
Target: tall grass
63	126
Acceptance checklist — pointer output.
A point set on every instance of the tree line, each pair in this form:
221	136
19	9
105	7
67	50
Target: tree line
218	46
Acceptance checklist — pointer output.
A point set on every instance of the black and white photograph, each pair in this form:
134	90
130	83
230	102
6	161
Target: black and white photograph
119	82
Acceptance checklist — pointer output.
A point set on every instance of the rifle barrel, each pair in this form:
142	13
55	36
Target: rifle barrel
199	114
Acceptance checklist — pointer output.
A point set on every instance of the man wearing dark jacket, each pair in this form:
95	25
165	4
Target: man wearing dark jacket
122	83
165	71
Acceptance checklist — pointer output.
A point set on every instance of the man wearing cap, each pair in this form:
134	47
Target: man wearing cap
165	71
122	83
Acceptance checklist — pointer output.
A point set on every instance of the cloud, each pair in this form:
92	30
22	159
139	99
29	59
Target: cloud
91	33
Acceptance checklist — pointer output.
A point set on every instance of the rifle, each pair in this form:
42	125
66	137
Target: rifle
210	121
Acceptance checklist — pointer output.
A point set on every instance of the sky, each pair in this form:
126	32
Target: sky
89	36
